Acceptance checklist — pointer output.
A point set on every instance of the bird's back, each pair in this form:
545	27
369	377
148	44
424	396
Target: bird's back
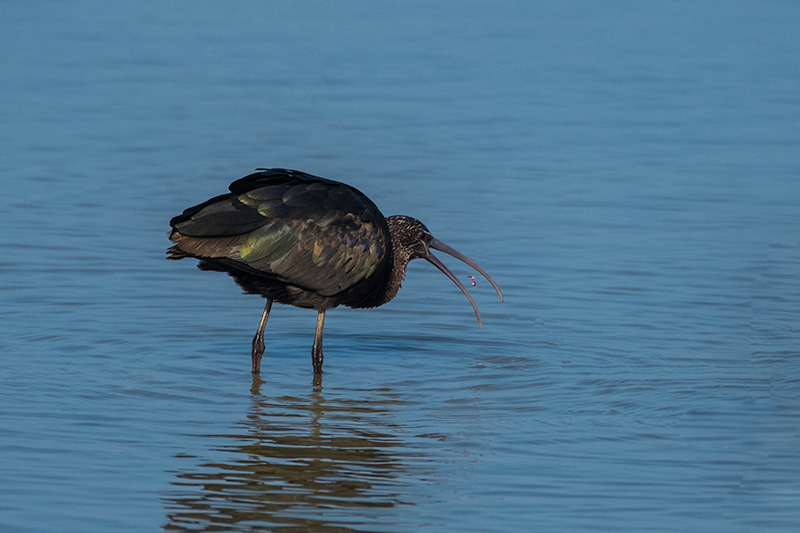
295	237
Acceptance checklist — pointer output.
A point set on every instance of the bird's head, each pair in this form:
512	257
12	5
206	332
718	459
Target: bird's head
412	240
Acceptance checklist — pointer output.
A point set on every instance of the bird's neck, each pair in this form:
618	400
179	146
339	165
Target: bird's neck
400	259
396	276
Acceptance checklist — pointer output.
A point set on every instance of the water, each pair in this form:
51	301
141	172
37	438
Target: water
627	172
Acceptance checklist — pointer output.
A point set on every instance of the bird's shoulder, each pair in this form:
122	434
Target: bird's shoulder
291	194
272	194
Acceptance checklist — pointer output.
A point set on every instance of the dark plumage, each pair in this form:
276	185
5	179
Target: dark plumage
306	241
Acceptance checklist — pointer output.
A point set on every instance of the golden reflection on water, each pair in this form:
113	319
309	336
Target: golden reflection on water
295	464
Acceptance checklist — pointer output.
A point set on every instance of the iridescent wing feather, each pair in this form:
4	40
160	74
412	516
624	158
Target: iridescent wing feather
316	234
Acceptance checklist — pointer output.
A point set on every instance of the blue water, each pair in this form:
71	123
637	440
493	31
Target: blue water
628	172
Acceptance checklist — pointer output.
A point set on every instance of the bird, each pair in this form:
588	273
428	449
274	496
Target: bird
309	242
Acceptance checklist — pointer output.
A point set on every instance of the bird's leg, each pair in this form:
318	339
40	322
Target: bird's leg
316	350
258	340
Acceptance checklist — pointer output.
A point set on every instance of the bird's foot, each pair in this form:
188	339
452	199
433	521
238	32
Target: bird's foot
316	360
258	352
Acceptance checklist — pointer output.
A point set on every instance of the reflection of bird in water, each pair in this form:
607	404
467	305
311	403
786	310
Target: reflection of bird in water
285	469
308	242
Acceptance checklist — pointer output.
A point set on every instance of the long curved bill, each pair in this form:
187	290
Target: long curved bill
436	244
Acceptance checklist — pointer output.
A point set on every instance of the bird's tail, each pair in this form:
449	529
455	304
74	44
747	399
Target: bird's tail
174	253
205	247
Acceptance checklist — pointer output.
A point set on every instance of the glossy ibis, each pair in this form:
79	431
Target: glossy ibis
306	241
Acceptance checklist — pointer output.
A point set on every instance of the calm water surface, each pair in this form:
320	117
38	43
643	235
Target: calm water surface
628	172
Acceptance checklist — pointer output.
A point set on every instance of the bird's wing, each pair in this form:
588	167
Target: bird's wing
317	234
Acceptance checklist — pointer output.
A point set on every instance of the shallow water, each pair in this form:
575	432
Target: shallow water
628	173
